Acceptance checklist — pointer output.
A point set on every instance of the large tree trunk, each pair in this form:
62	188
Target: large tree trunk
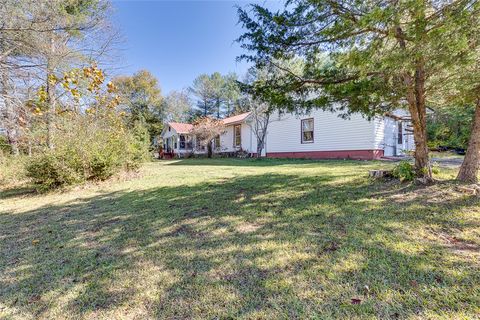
418	111
469	169
415	89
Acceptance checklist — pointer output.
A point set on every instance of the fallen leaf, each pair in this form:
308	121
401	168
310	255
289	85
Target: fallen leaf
35	242
356	300
366	290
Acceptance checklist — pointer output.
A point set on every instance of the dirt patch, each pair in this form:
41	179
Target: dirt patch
458	245
429	194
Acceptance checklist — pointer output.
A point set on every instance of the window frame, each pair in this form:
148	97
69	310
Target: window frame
301	131
235	145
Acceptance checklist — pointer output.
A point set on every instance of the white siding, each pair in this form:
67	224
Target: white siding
226	139
379	133
390	137
331	133
248	138
170	134
391	145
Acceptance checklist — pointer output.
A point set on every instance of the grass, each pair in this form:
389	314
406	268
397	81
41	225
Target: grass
225	239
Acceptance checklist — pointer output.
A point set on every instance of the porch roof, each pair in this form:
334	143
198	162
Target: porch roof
235	119
181	127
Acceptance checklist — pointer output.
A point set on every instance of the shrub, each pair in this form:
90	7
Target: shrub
50	170
5	147
87	148
404	171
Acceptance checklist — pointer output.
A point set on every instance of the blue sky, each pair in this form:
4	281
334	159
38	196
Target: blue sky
178	40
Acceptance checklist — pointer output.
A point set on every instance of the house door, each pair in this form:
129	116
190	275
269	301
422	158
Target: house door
169	145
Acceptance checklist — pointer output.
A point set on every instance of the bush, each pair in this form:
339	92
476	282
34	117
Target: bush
5	147
87	148
50	170
404	171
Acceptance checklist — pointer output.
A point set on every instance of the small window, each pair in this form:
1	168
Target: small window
307	131
237	135
217	142
400	133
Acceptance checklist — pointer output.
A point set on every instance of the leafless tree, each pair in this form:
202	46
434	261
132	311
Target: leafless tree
261	117
205	131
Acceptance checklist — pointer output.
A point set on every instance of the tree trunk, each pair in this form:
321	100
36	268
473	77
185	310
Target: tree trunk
415	88
418	112
469	169
259	148
11	123
209	149
51	98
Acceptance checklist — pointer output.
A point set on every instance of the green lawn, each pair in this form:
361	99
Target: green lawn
226	239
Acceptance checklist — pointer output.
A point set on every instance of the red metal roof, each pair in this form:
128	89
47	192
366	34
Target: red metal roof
237	118
187	127
181	127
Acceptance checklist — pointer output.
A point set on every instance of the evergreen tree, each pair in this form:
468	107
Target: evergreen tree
380	55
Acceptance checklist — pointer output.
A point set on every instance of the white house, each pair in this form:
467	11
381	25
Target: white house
317	135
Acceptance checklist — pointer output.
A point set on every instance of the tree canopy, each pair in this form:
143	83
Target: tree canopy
367	56
140	96
216	94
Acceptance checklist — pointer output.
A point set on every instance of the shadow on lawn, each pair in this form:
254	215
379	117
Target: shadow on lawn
233	248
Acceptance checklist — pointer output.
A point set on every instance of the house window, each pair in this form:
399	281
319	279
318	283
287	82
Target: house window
307	130
217	142
189	142
182	141
400	133
237	135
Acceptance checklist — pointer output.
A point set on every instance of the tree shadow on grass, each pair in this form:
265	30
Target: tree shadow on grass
269	245
15	192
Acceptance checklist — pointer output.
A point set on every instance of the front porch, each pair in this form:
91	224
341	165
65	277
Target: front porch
178	146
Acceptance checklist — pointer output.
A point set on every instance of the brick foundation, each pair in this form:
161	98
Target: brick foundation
341	154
